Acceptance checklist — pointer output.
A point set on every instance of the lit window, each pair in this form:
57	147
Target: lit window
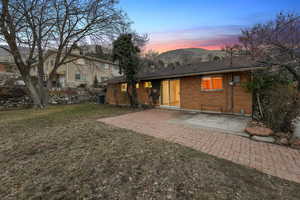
148	84
124	87
137	85
212	83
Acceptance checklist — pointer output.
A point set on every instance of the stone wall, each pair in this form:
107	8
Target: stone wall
13	97
74	95
7	78
16	96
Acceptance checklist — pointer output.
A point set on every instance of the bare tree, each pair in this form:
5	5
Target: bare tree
53	28
151	55
77	21
276	43
19	30
232	51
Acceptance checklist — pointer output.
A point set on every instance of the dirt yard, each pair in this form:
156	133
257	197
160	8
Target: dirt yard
64	153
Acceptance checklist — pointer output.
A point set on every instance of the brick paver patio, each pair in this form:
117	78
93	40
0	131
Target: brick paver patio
269	158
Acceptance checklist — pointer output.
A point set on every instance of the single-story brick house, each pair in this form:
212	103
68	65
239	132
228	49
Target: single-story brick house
207	86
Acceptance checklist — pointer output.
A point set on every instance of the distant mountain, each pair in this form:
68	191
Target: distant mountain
190	55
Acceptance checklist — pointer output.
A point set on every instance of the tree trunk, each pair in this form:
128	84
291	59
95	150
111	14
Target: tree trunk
41	89
259	105
132	94
43	92
34	93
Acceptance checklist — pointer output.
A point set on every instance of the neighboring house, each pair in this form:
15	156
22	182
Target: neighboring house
8	67
2	68
207	86
7	59
81	71
8	71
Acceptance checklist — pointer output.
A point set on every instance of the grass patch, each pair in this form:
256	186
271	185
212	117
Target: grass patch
63	153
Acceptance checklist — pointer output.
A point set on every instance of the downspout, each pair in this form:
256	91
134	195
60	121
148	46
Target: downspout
252	95
231	93
232	84
169	92
160	92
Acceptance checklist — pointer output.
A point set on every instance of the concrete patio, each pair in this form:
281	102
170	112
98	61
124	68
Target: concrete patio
229	124
218	135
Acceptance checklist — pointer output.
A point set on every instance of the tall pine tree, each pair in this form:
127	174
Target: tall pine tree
127	54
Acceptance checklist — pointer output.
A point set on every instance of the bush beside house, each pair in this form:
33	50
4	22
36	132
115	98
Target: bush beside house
276	106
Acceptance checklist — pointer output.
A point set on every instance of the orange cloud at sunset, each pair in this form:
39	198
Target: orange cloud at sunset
172	46
209	44
211	38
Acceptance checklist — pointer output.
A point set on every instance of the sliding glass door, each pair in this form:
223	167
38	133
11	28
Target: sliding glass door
170	93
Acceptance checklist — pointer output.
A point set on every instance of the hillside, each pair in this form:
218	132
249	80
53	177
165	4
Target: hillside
189	55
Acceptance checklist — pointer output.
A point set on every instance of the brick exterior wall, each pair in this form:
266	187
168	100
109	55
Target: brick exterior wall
241	98
143	94
232	99
191	96
115	96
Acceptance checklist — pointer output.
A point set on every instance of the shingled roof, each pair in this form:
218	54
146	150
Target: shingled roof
200	68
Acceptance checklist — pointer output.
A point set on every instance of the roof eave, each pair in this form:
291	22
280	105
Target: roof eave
201	73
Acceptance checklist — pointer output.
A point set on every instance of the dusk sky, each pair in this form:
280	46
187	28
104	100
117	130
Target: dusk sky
209	24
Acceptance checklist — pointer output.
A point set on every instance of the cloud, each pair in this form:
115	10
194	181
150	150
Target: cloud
200	37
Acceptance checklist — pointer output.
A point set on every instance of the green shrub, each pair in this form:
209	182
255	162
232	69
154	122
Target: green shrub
280	107
276	99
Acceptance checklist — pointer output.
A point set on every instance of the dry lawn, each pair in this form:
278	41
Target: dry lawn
63	153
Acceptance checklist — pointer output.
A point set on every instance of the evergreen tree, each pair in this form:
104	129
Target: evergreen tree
127	54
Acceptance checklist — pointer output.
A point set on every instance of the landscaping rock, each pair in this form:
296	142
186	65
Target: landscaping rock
283	141
259	131
282	135
295	143
263	139
297	127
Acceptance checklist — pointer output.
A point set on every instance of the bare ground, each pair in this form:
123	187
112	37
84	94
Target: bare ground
63	153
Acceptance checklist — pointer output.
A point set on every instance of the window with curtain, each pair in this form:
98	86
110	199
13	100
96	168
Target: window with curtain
212	83
148	84
124	87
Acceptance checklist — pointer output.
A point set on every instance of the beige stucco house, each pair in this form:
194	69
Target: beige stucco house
81	71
